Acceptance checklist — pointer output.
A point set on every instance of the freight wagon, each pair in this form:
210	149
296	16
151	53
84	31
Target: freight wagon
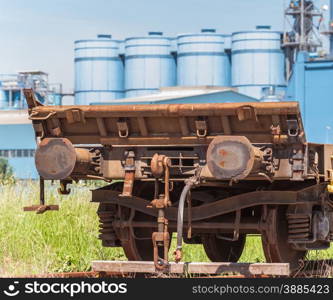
210	172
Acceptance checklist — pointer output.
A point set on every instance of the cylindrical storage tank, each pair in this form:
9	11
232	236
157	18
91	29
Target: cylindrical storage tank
99	71
257	61
202	59
149	64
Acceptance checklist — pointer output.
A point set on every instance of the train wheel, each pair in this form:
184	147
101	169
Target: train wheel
139	245
275	240
221	250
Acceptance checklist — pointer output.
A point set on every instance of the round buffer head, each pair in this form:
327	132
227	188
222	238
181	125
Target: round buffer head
55	158
230	157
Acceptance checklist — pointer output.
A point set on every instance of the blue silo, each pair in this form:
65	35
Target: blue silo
257	61
99	71
202	59
149	64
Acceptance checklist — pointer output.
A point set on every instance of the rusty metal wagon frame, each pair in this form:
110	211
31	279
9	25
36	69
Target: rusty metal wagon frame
211	172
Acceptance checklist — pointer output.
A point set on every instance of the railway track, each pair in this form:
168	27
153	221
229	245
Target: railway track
132	269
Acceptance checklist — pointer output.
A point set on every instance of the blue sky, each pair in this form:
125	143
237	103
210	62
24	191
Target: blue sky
39	34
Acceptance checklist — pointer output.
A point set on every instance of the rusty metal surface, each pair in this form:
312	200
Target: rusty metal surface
140	128
58	159
129	168
252	156
157	165
193	268
220	207
170	124
233	157
275	237
39	209
161	238
206	109
248	225
55	158
31	99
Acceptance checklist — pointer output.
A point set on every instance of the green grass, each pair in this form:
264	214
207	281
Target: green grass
67	240
54	241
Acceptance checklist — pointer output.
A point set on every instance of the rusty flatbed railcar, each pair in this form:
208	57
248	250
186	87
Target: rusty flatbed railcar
213	173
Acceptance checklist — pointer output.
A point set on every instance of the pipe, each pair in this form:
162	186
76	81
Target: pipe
180	219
